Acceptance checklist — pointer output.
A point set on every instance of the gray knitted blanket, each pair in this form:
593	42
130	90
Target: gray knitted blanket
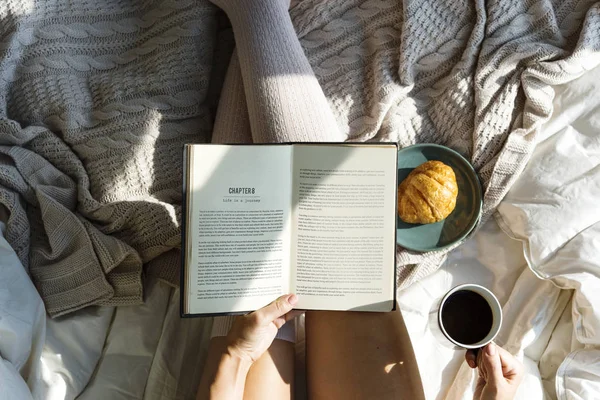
98	97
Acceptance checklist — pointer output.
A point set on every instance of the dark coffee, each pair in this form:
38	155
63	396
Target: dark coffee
467	317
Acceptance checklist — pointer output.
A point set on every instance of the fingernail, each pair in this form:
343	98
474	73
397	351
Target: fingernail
293	299
471	363
491	349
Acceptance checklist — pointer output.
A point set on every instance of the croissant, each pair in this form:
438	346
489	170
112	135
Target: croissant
428	194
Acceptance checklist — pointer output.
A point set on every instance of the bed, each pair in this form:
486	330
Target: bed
538	253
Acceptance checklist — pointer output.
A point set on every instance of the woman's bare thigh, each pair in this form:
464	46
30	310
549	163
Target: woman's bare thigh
360	355
270	377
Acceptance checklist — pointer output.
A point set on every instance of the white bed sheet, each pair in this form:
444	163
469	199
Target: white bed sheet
553	212
22	327
552	324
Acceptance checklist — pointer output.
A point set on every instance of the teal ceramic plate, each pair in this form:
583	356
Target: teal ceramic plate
461	221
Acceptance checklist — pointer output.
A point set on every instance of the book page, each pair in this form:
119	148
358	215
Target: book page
238	232
344	226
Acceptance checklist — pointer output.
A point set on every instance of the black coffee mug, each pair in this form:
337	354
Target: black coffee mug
469	317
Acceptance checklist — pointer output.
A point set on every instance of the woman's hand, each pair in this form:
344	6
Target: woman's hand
252	334
249	337
500	373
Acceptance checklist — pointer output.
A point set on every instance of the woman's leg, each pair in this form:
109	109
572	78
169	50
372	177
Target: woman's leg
360	355
232	124
270	377
284	100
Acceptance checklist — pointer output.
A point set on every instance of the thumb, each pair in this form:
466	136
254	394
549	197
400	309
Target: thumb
276	309
492	364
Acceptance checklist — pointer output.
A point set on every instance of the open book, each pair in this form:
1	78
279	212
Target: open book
259	221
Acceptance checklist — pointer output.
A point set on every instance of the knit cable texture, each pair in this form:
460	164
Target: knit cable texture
98	97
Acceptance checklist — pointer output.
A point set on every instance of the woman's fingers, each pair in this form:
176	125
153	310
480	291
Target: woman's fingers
293	314
279	322
512	369
471	358
276	309
491	361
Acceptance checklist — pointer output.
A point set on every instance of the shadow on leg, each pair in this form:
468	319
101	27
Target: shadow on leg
360	355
